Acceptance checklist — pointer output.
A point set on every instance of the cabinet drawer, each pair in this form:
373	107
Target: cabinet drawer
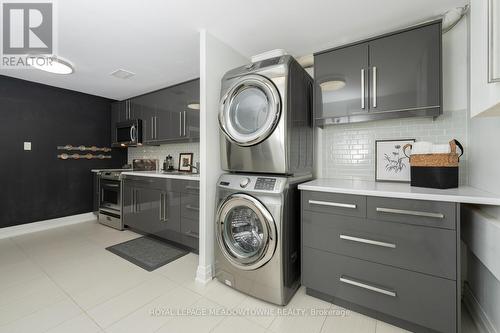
190	206
191	187
427	250
190	232
419	212
334	203
417	298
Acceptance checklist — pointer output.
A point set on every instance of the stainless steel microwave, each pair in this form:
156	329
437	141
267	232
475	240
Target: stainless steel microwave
128	133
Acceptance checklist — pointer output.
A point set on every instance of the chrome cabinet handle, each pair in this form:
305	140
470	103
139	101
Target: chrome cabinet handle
409	212
180	123
362	88
152	127
332	204
132	193
192	234
374	86
491	38
367	286
193	208
367	241
163	207
156	127
137	207
184	123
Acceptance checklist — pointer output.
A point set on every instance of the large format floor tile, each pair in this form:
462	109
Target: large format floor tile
63	280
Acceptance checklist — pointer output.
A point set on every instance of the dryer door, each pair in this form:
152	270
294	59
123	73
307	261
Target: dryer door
246	231
250	111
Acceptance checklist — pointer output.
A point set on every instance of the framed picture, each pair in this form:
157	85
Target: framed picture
391	164
185	162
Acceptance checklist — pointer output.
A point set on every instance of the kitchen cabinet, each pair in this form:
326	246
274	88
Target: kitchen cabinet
166	116
484	58
166	208
392	76
384	257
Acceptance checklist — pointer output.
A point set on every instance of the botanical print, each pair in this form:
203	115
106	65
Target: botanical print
391	162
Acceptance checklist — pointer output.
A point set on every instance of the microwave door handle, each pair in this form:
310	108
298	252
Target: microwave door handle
132	133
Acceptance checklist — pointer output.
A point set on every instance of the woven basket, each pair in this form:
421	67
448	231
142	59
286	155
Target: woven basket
436	160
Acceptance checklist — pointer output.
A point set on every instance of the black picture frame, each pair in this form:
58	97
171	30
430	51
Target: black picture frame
185	162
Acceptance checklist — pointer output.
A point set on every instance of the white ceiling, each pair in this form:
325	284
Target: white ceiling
158	39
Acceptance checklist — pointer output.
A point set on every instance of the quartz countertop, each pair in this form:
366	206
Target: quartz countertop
462	194
99	170
159	174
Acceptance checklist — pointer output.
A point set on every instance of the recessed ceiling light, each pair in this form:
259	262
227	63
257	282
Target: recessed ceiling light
54	65
122	74
194	106
332	85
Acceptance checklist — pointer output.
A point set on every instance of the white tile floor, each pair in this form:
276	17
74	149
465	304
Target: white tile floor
63	280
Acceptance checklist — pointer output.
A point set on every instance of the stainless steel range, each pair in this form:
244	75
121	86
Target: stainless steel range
110	192
110	201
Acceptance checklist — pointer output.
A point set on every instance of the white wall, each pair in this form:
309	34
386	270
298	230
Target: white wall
216	58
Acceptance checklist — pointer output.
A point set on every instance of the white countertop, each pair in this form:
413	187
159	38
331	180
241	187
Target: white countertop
99	170
159	174
463	194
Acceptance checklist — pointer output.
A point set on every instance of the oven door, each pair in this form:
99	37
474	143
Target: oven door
110	196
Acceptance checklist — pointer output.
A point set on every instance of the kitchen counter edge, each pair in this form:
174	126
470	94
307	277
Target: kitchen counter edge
154	174
462	194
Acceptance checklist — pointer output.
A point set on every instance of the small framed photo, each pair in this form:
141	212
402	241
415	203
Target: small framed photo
185	162
391	164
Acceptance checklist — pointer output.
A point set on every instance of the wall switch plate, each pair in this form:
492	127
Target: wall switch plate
27	146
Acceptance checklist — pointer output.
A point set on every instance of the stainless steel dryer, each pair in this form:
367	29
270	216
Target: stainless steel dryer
265	118
258	235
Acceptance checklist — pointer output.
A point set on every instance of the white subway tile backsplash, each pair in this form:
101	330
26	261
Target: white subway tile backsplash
349	150
160	152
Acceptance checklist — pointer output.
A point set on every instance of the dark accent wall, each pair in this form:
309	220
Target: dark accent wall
35	185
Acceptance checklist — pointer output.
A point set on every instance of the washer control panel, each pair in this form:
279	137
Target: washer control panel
266	184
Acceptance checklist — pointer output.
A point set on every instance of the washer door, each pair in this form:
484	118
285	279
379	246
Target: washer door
246	232
250	111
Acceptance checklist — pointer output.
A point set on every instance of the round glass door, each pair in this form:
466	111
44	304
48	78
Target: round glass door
245	231
250	111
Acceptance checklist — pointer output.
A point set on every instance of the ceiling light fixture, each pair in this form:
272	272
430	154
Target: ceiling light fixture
332	85
54	65
194	106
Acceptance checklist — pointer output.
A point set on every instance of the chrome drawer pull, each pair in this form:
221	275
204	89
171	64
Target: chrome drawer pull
332	204
368	287
410	212
368	241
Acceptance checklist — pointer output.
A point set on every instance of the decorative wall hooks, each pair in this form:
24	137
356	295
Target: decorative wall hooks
65	156
84	148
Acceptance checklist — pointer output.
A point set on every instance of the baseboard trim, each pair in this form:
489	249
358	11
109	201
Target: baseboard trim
45	225
476	311
204	274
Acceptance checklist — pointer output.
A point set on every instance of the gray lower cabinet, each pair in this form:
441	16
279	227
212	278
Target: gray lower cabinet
394	259
156	206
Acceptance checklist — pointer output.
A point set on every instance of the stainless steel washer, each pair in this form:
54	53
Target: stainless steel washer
265	118
258	235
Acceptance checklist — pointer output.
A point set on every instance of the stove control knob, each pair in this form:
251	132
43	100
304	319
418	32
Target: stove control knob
244	182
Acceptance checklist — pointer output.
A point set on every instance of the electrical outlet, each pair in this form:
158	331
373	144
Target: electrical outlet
27	146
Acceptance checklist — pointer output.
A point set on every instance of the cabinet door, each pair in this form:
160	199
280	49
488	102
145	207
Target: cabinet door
341	79
405	70
191	116
129	214
143	109
116	110
168	223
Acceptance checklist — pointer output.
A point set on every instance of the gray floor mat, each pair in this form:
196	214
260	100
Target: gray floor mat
147	252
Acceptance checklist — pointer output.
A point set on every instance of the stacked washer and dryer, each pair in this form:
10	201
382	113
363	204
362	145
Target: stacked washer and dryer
266	142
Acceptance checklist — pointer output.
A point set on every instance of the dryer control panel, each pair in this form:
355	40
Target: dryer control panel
266	184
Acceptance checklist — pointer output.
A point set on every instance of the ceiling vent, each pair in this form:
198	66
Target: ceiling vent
122	74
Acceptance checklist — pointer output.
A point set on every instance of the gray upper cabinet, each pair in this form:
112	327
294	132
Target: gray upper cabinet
349	67
392	76
406	70
168	115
